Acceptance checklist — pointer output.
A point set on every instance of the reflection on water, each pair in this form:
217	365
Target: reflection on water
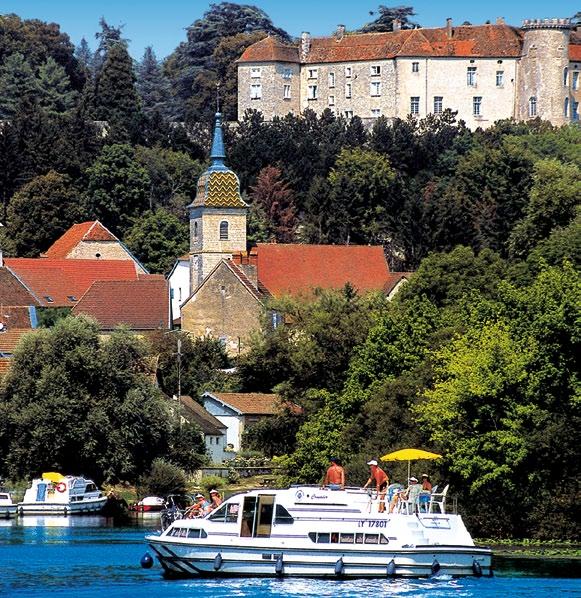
89	557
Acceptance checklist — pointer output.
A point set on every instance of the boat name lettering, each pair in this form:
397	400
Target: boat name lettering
371	523
318	496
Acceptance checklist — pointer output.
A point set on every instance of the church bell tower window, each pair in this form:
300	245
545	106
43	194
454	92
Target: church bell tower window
223	230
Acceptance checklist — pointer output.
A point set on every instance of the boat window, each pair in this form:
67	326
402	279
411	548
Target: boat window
347	538
383	539
248	517
334	538
358	538
4	497
90	488
371	538
227	513
265	510
282	516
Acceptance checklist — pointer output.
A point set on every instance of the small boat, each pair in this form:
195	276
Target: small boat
7	507
309	532
149	504
54	493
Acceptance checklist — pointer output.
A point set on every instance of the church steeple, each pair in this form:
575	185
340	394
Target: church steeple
218	153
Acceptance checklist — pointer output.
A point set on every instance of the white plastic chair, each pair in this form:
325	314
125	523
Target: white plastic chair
439	498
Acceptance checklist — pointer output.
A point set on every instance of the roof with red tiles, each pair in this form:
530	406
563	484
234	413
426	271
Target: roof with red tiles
17	317
393	280
209	424
13	292
575	52
141	304
5	363
92	230
253	403
292	269
62	282
11	337
272	48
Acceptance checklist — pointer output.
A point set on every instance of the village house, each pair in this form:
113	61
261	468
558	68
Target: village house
482	72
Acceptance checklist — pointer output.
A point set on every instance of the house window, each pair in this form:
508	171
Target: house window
477	105
313	73
414	105
348	114
532	107
499	78
347	90
375	112
438	104
565	76
575	81
575	111
195	230
471	76
255	91
348	71
179	294
331	79
415	67
566	108
375	88
287	73
375	70
255	72
223	230
331	100
286	92
312	92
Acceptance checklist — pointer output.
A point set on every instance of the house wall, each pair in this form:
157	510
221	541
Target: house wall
104	250
215	446
180	287
222	308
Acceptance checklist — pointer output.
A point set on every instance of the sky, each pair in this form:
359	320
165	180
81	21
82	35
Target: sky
162	23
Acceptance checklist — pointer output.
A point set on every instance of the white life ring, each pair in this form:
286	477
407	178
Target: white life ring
61	487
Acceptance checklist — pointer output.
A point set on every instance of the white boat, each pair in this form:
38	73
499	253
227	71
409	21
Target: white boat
7	507
149	504
309	532
64	495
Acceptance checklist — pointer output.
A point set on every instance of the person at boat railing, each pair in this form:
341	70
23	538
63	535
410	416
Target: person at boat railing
377	475
199	509
426	484
410	494
216	499
335	477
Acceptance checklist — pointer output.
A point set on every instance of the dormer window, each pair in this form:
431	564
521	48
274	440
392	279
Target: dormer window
223	230
72	298
49	299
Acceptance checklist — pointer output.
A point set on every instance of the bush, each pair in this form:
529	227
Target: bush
212	481
164	478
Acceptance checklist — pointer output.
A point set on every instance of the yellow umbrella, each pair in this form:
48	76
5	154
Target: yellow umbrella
409	455
53	476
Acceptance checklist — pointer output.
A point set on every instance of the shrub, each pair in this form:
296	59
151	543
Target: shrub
163	478
212	481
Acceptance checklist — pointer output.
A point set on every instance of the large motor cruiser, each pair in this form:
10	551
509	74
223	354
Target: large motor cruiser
306	531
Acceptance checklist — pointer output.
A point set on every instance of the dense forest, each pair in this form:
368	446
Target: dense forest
476	358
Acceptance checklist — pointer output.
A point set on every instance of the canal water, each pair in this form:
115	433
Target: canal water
88	557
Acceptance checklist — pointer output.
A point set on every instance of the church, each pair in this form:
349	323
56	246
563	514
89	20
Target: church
229	284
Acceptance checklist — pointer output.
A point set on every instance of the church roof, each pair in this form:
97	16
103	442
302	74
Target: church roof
219	186
92	230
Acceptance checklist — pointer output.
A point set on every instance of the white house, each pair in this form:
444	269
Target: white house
179	284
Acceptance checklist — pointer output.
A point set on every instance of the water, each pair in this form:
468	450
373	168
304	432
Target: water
86	557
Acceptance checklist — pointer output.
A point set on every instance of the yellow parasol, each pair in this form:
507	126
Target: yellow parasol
53	476
409	455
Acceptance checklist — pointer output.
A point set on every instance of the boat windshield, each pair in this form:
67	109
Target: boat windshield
227	513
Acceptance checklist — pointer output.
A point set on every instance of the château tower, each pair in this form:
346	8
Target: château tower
217	214
543	81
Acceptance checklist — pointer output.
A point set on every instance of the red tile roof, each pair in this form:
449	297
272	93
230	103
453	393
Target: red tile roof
10	339
85	231
16	317
139	304
209	424
61	279
295	269
466	41
394	279
5	363
575	52
13	292
253	403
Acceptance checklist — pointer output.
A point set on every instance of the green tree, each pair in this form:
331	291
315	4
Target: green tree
17	82
152	85
41	211
157	239
56	95
387	15
117	187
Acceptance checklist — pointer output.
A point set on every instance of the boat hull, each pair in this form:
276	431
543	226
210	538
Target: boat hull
7	511
180	560
68	508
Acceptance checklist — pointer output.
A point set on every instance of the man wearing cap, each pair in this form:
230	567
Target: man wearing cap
381	481
335	477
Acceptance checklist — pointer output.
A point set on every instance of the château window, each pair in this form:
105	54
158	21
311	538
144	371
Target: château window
375	112
347	90
286	92
575	111
331	79
532	106
255	91
499	78
575	81
477	105
471	76
255	72
348	71
223	230
313	73
195	230
375	88
414	105
375	70
287	73
415	67
348	114
566	107
565	76
438	104
312	92
331	100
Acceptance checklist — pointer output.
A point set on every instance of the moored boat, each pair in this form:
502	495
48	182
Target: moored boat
54	493
7	507
149	504
306	531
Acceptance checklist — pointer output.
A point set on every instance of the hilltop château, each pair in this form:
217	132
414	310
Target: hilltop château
484	72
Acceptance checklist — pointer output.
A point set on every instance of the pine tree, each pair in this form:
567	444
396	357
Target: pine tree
108	37
56	95
17	82
152	85
84	55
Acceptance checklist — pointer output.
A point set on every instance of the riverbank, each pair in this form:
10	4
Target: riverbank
533	548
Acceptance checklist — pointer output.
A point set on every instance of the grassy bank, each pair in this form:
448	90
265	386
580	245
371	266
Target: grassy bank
533	548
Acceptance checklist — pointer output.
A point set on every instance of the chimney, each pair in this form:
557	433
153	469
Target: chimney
339	33
396	25
449	28
305	45
500	21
